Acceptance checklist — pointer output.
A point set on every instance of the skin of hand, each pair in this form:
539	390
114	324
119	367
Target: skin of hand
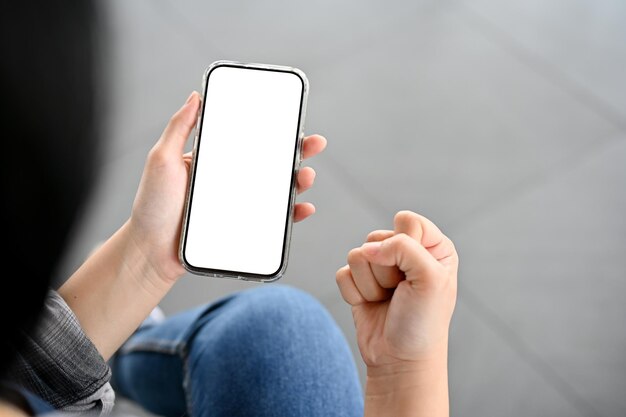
158	208
127	276
402	287
9	410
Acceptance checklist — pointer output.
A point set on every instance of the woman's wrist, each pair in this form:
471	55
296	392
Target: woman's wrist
161	264
409	388
114	291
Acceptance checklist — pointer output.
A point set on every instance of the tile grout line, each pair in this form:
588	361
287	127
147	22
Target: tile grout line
520	53
544	68
523	350
201	42
356	188
538	178
335	56
181	21
598	106
349	181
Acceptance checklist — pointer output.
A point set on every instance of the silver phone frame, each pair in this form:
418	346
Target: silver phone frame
217	273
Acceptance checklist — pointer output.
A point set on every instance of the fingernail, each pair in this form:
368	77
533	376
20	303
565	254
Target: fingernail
190	97
371	248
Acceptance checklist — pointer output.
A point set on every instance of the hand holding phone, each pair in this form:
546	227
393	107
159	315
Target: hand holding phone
243	179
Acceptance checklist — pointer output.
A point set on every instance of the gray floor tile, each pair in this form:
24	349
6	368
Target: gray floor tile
582	40
156	52
109	205
302	33
437	118
547	272
488	378
484	122
150	68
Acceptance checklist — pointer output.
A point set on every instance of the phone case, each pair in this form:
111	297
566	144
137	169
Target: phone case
298	161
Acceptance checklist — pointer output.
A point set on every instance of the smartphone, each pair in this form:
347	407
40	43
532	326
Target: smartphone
242	187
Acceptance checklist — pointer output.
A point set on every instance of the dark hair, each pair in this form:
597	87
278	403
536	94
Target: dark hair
49	141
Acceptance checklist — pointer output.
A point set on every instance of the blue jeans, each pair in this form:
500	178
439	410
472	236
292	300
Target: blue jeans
268	351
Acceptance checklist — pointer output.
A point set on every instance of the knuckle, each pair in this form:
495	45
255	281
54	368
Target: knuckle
174	118
400	245
354	256
400	217
403	241
341	273
157	156
409	222
405	216
373	236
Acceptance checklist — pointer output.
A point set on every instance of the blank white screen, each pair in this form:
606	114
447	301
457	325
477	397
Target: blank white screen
242	183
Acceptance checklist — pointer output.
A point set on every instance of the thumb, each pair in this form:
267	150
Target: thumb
180	125
404	252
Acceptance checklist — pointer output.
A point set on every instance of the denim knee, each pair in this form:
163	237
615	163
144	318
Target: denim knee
283	311
267	321
274	348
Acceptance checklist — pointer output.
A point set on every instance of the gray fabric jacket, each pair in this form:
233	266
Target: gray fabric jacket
61	365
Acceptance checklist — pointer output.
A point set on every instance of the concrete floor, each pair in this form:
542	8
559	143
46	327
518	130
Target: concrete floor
504	122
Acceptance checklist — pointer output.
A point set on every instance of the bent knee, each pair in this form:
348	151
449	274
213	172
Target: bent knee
272	316
280	309
277	343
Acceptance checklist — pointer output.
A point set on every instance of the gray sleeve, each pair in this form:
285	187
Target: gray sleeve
59	363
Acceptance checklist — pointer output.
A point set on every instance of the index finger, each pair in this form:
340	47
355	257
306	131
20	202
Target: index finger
181	124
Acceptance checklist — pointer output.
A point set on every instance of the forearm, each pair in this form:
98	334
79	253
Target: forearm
114	291
9	410
417	389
